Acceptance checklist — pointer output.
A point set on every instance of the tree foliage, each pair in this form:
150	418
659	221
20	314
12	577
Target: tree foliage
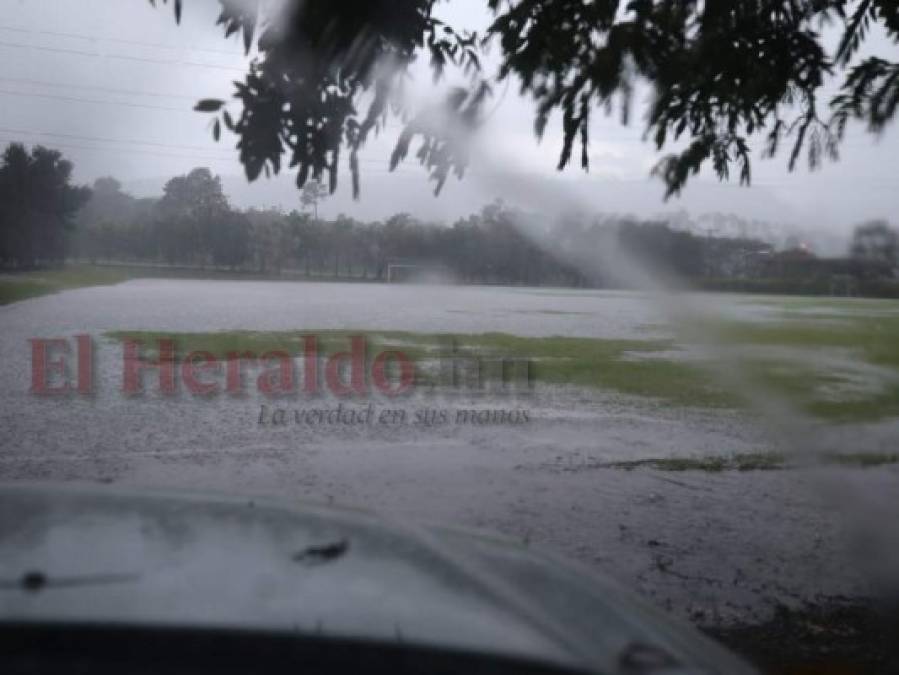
191	224
196	213
497	244
720	73
876	242
312	194
37	205
301	96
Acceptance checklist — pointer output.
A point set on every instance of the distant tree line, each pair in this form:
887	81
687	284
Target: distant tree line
44	219
192	224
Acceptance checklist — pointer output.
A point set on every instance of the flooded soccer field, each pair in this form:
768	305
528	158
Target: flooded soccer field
626	450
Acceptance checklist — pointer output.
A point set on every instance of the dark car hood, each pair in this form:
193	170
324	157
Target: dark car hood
104	555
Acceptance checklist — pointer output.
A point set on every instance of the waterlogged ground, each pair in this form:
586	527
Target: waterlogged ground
720	478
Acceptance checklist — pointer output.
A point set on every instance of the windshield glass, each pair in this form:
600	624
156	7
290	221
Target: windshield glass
614	281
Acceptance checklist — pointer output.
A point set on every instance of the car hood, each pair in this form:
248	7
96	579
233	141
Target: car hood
112	556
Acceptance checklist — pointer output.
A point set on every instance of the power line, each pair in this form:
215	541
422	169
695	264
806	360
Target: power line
109	90
93	38
128	151
79	52
9	137
100	139
129	141
57	50
852	140
76	99
406	170
173	62
156	45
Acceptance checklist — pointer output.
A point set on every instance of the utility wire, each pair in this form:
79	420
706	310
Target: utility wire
851	141
79	52
109	90
148	106
12	137
132	142
406	170
136	43
101	139
128	151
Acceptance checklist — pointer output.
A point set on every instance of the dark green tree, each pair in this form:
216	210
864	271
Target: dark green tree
231	245
191	210
876	243
38	204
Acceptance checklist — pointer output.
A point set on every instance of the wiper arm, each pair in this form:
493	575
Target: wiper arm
35	581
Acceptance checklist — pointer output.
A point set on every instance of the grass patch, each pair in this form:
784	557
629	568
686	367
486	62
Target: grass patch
756	461
16	286
753	461
824	305
24	285
875	337
864	459
865	331
609	364
602	364
838	371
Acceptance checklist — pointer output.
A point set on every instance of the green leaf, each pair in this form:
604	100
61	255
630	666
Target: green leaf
209	105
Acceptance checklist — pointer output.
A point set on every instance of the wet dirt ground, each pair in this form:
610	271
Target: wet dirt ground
723	550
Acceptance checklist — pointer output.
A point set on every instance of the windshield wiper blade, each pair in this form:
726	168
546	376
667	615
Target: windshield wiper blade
34	581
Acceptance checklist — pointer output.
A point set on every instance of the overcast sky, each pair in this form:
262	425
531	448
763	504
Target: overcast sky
112	84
